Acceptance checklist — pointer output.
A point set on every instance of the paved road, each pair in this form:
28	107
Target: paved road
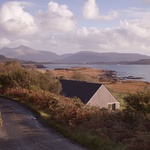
22	131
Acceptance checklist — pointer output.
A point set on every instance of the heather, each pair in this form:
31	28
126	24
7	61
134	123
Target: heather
96	128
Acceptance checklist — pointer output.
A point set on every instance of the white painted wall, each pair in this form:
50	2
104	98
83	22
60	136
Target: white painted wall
102	98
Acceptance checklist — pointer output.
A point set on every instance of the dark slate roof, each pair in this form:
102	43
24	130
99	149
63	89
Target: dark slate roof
80	89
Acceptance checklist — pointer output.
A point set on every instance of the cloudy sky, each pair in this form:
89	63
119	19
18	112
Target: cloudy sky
69	26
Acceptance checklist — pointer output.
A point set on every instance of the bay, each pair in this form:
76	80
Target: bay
122	70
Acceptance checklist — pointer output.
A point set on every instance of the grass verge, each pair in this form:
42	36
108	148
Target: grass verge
80	136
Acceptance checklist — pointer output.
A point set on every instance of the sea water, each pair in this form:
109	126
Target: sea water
122	70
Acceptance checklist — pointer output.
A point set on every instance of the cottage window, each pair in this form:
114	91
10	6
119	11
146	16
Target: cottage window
112	106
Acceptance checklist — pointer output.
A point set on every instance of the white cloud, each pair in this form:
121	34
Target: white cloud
136	28
58	32
59	10
129	36
24	41
4	41
14	19
91	11
57	18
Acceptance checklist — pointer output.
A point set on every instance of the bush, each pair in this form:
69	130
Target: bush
78	76
140	141
14	75
138	102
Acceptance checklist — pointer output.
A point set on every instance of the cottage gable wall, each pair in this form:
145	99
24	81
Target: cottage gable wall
102	98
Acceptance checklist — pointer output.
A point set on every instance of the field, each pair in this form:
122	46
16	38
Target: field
108	78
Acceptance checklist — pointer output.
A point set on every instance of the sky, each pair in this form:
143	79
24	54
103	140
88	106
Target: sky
69	26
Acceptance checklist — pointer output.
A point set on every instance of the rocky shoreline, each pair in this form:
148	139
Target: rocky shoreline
113	76
103	75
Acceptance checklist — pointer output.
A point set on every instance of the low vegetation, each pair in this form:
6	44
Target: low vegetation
13	75
98	129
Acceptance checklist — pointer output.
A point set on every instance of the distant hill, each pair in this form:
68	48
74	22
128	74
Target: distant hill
138	62
5	59
28	54
94	57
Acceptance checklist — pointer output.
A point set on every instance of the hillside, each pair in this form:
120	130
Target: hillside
4	59
138	62
94	57
28	54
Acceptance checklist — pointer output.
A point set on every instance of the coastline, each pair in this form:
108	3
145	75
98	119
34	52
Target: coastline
116	85
122	70
105	74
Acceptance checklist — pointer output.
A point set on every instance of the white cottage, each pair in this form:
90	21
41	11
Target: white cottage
93	94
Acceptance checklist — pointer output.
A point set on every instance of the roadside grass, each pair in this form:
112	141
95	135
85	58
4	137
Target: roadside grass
80	135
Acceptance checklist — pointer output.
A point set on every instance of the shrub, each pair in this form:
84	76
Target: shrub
138	102
14	75
78	76
140	141
47	82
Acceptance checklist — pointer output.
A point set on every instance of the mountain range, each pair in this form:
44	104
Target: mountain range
28	54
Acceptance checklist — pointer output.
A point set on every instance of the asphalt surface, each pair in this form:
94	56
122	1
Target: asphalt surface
21	130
